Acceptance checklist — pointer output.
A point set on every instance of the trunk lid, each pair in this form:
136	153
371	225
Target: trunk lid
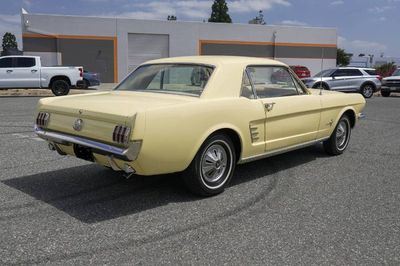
102	111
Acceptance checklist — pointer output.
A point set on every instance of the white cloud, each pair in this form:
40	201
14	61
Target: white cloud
379	9
337	3
361	46
294	23
194	9
244	6
11	23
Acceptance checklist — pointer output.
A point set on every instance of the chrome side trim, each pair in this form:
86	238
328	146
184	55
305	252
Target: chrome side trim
280	151
129	154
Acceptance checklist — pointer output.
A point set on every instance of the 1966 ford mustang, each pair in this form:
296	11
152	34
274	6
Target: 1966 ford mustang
200	116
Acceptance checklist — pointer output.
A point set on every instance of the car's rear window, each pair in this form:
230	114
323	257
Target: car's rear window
371	72
168	78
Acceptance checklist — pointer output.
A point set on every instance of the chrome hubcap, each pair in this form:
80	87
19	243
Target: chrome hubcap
342	135
368	91
214	163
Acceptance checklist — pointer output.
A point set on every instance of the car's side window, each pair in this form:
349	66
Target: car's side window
247	89
6	62
24	62
340	73
272	81
354	72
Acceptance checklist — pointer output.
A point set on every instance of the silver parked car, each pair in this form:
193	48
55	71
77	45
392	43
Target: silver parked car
346	79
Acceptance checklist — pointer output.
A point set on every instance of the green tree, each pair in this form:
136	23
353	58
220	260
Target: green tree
219	12
9	41
386	70
342	58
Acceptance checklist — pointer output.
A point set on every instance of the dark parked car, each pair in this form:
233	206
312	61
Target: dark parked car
90	79
391	84
301	71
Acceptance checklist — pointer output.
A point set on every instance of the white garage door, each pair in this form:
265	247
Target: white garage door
144	47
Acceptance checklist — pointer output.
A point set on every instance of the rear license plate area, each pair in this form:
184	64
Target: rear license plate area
83	152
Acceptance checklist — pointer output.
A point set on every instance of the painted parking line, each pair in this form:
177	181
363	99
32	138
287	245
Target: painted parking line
26	136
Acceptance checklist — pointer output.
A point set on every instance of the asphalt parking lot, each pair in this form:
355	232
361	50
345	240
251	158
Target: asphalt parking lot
299	208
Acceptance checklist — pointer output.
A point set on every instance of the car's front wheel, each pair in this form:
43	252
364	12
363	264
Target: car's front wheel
212	168
385	93
367	90
339	140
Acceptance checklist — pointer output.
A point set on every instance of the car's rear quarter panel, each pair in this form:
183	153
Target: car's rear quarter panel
173	135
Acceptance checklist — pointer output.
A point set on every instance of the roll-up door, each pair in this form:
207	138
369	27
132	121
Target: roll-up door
144	47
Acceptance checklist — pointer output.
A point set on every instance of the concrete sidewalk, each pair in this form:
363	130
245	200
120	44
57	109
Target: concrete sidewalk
48	93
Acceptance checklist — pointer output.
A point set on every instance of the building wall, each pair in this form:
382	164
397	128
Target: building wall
292	45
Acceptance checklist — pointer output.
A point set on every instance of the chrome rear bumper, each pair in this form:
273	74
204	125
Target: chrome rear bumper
128	154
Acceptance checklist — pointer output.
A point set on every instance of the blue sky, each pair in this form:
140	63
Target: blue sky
364	26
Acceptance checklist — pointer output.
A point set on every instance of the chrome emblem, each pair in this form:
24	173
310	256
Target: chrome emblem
78	124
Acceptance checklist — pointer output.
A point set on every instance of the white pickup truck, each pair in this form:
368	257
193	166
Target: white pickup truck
27	72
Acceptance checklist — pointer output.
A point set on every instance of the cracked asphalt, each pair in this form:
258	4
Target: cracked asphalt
300	208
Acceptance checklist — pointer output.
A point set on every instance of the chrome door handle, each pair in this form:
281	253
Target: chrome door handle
9	71
269	106
33	70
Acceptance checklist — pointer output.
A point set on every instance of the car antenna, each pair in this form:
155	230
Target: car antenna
322	66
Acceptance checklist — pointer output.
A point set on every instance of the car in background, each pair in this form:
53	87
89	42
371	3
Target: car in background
391	84
198	115
28	72
345	79
372	72
90	79
301	71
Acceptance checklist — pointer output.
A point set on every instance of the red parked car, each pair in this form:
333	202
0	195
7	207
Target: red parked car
301	71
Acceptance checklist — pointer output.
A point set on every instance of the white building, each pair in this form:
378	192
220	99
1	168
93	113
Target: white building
115	46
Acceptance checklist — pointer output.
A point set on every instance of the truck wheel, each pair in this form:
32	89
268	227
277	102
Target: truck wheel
60	87
339	140
367	90
385	93
212	168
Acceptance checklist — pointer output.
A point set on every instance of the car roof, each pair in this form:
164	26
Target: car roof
217	60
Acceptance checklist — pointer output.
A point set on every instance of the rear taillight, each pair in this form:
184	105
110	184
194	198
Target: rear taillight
81	72
121	134
379	77
42	119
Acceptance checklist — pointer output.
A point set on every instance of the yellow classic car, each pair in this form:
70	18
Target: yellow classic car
198	115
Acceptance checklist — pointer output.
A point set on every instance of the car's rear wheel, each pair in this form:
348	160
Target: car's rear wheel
339	140
367	90
212	168
85	84
385	93
60	87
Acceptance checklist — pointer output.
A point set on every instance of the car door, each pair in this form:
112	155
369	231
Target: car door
292	115
26	73
354	79
339	80
5	72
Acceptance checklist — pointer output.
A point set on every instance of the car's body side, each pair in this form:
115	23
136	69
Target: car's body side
172	128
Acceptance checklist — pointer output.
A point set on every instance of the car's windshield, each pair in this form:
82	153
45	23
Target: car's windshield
168	78
396	73
325	73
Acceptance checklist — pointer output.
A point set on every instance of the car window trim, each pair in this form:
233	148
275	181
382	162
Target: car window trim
284	67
